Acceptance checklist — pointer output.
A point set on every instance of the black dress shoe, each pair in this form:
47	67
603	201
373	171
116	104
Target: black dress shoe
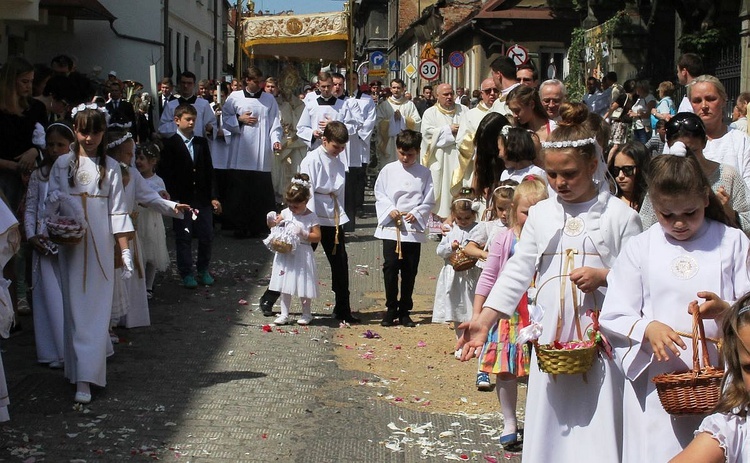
407	321
389	319
349	319
266	308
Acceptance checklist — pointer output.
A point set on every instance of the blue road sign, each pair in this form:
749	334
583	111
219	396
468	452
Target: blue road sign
377	58
394	65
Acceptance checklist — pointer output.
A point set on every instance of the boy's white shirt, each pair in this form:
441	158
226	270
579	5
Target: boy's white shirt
327	178
407	190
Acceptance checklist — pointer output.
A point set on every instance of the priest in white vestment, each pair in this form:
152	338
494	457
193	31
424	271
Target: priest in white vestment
394	114
439	149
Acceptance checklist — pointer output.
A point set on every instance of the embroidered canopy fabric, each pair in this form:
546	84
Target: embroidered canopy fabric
309	36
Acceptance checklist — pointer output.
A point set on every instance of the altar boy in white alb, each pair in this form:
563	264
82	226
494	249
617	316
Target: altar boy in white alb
320	111
404	198
253	116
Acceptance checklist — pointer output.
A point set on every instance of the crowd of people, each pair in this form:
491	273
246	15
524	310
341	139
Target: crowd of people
604	224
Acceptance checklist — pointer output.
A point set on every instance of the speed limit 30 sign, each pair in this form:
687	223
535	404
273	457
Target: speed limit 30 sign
429	69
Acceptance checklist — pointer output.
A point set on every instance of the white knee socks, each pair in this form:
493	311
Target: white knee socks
507	394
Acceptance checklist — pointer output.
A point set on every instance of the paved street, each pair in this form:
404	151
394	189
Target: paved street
205	383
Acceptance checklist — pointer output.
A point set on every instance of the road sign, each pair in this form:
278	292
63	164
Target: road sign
394	65
518	54
429	69
364	70
377	58
378	72
410	70
456	59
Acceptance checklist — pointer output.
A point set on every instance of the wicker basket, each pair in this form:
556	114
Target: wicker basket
691	392
282	247
65	233
555	358
556	361
460	261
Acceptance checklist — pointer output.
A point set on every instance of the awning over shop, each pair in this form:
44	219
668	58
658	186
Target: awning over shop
77	9
321	36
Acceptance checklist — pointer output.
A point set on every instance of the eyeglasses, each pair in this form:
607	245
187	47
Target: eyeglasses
551	100
487	91
628	171
687	122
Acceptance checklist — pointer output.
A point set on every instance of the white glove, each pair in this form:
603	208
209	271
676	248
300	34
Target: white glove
127	264
271	219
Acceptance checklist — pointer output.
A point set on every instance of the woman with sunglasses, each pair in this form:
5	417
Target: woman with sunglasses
709	99
628	167
686	130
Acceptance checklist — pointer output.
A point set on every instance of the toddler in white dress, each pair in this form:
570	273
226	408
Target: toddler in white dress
294	272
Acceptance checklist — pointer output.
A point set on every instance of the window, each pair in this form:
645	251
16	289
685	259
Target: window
178	55
185	51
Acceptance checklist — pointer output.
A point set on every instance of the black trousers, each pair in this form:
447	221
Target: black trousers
339	262
249	198
408	267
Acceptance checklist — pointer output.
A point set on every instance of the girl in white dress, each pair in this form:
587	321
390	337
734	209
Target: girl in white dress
136	191
294	273
93	180
516	148
569	242
724	436
454	291
45	270
150	223
652	294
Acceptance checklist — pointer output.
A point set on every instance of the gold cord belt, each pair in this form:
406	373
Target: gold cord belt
84	200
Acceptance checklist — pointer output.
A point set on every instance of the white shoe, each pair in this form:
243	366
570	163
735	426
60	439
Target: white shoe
82	398
305	320
458	353
281	320
56	364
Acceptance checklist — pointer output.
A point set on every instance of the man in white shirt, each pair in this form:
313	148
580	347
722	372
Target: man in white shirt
689	66
591	98
504	75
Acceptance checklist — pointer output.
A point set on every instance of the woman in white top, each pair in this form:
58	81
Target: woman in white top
726	146
641	111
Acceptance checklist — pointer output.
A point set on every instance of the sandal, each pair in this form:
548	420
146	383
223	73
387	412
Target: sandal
511	443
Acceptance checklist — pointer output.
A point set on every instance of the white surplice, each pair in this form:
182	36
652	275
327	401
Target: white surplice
359	143
389	127
407	190
440	153
88	268
567	414
252	144
654	279
316	111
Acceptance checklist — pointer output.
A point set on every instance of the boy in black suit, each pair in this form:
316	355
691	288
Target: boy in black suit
120	111
187	171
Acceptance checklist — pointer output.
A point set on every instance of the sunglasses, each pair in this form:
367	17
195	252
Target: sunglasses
487	91
691	124
628	171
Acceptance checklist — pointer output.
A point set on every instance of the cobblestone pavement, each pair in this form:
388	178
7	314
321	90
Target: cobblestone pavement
205	383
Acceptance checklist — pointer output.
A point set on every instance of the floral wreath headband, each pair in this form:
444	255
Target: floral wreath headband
568	143
119	141
505	131
118	125
84	106
475	205
299	182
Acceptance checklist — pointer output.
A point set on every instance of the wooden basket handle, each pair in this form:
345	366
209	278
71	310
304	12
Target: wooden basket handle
699	332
